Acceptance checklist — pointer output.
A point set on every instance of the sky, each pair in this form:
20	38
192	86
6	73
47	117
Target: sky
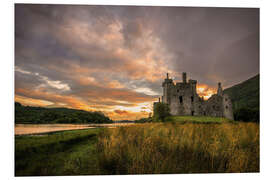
114	58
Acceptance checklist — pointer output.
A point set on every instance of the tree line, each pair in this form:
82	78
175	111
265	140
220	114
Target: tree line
40	115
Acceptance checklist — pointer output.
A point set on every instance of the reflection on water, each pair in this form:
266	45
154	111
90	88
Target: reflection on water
21	129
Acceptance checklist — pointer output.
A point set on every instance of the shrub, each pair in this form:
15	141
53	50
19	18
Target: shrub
168	119
144	120
161	111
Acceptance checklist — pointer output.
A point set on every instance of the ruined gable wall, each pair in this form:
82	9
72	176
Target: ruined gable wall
227	107
214	106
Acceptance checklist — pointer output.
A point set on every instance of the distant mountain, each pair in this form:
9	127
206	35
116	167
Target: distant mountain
39	115
245	94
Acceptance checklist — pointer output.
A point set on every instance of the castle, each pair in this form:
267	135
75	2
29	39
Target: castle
183	99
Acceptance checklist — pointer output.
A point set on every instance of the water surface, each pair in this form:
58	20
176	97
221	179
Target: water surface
23	129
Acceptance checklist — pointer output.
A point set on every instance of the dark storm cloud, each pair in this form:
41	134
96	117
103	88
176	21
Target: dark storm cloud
96	52
198	36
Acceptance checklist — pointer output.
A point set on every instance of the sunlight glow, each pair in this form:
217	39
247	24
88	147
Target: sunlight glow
32	102
205	91
147	91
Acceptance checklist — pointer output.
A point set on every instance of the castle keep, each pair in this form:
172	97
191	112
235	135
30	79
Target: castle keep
183	99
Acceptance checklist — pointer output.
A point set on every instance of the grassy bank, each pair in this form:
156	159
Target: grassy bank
141	149
198	119
60	153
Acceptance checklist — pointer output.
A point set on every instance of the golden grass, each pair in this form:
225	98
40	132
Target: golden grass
179	148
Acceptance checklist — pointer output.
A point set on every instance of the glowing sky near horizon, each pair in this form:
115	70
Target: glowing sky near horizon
114	58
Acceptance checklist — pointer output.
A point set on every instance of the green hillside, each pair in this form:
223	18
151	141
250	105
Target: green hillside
38	115
245	94
246	99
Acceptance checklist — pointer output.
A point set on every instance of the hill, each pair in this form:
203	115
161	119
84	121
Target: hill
245	94
39	115
246	99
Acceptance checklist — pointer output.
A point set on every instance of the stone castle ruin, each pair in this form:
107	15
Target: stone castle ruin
183	99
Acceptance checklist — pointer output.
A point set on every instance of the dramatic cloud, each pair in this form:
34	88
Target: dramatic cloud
114	58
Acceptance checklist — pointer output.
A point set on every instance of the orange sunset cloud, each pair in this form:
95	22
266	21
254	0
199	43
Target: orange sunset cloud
205	91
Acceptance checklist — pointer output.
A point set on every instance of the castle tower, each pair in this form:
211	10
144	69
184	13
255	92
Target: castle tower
167	84
184	76
219	91
193	85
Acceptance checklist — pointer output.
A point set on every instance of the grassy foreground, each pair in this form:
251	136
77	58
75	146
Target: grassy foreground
142	149
59	153
176	148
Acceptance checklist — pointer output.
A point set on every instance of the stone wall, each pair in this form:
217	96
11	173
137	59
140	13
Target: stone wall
227	107
183	99
214	106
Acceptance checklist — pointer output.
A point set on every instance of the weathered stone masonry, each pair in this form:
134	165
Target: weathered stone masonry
183	99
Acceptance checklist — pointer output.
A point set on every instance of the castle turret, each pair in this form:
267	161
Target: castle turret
184	76
166	89
219	91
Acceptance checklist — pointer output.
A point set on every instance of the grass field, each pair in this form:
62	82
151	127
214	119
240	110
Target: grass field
177	148
60	153
199	119
173	147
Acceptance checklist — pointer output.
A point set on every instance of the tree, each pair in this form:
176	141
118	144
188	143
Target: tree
17	104
247	115
161	111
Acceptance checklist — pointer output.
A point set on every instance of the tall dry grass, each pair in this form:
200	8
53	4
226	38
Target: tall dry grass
179	148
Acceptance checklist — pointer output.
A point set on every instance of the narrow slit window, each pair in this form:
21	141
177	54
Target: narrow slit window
180	99
192	98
